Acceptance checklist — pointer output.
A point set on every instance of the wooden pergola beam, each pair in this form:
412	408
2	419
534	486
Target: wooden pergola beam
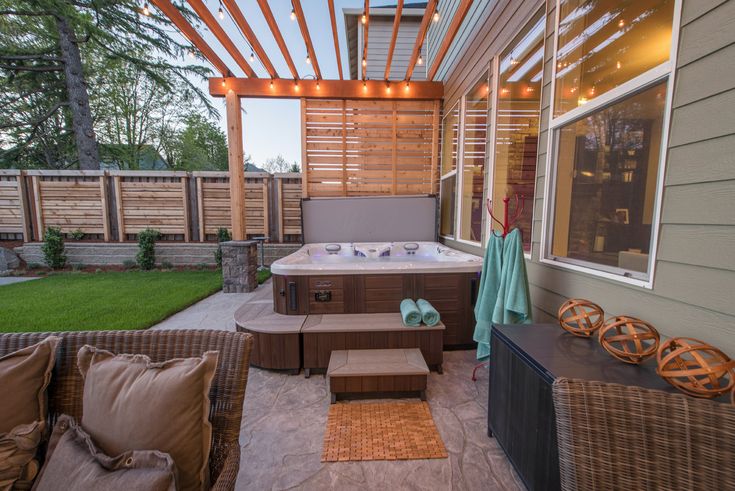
271	21
325	89
247	31
307	38
335	35
191	34
430	9
459	16
214	26
236	164
365	31
394	38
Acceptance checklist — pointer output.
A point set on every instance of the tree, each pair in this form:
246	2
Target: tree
43	44
201	145
280	164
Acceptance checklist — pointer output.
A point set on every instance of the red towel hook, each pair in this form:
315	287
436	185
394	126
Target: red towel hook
508	219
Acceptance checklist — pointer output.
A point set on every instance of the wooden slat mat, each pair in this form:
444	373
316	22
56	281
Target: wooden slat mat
381	431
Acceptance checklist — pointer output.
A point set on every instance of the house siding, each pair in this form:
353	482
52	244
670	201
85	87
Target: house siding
693	292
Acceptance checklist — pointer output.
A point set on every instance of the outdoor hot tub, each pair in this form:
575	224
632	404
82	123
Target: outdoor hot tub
373	277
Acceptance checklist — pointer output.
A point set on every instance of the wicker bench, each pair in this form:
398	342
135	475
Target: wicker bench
226	395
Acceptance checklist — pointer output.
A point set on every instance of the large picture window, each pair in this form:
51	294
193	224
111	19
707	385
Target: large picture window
448	184
611	82
517	121
474	145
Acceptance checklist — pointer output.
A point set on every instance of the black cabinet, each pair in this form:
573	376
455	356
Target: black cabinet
525	361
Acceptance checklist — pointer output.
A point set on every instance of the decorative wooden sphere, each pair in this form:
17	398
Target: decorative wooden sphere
581	317
629	339
696	368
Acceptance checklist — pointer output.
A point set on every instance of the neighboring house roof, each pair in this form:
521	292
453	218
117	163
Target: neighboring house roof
379	36
116	157
253	168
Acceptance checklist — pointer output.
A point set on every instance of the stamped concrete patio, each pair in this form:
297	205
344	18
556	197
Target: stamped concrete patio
285	417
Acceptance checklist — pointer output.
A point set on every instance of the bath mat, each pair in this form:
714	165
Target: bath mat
381	431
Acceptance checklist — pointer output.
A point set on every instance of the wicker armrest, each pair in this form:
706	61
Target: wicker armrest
228	475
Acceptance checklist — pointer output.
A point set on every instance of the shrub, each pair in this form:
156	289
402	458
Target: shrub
223	235
77	234
166	265
147	248
129	264
262	275
53	248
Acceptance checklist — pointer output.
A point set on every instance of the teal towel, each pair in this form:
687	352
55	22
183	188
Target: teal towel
429	314
503	296
410	313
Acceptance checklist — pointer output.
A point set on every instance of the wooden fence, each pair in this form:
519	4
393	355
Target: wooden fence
369	147
117	205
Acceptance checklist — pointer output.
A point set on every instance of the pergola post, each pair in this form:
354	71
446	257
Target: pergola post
236	165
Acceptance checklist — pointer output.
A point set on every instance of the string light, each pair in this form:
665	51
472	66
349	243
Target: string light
364	62
621	23
420	60
221	12
618	64
407	86
271	83
191	53
252	57
363	19
224	82
296	86
364	86
293	14
146	10
436	15
387	88
308	60
317	85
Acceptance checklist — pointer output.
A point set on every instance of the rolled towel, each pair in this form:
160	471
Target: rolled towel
410	313
429	314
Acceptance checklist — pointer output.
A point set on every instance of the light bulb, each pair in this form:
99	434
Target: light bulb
146	10
436	15
618	64
364	62
221	13
363	19
293	14
252	57
387	88
621	23
296	86
271	83
421	60
224	82
191	53
407	86
308	60
364	86
317	85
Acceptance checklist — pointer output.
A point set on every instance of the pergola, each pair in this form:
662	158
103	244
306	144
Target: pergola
233	87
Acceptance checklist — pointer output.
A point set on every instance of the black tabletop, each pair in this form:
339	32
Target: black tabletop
555	353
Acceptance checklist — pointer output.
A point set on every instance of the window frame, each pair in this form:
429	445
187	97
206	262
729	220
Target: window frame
459	105
664	72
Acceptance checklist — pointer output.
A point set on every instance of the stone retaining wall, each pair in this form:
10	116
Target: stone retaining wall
109	254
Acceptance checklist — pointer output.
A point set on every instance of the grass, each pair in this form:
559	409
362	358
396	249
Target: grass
102	301
262	275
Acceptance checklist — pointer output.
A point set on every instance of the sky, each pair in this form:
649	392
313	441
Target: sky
272	126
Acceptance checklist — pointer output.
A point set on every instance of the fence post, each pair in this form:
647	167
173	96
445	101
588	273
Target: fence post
37	202
187	214
24	208
105	207
119	209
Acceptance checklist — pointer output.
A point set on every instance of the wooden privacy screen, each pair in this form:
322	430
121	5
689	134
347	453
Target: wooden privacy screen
369	147
213	203
70	200
12	206
151	199
288	189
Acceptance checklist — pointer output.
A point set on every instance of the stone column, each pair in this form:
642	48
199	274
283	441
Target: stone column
239	265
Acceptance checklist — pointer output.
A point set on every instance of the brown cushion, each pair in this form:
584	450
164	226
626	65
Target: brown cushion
17	452
131	403
24	376
74	462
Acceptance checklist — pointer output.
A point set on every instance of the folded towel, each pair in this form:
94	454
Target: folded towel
429	314
410	313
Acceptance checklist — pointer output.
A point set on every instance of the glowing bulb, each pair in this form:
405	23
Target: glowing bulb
364	86
529	89
592	91
271	83
582	101
221	13
293	14
387	88
364	62
317	85
618	64
621	23
224	82
308	60
296	86
436	16
407	86
363	19
146	10
252	57
421	60
504	91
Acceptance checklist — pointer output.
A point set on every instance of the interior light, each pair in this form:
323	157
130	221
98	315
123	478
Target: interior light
592	91
529	89
363	19
436	15
293	14
146	10
364	62
621	23
618	64
504	91
582	101
308	60
252	57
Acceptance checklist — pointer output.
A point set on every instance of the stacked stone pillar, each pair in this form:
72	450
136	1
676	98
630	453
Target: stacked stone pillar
239	266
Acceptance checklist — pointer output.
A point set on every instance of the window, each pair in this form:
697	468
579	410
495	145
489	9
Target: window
448	184
604	43
612	74
474	144
517	121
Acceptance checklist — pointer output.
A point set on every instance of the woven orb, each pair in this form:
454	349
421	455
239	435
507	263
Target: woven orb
581	317
629	339
696	368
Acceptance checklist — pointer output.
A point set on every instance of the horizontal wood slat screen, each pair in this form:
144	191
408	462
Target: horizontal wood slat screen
288	187
369	147
12	207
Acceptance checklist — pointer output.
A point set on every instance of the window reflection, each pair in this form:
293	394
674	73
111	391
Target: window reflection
473	160
604	43
517	122
450	140
606	182
447	192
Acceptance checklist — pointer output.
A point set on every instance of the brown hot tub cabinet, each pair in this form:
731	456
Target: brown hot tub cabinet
452	294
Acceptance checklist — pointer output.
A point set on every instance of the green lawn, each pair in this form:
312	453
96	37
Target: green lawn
101	301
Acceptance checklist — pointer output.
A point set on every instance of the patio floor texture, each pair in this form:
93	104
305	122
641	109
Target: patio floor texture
285	417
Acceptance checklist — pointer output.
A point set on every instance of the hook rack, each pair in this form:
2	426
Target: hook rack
508	220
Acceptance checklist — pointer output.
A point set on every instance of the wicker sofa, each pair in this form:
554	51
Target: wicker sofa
624	437
226	395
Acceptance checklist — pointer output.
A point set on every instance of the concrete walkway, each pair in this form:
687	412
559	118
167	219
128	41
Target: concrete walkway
285	416
9	280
